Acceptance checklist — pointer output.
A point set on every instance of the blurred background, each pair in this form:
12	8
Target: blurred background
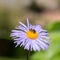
43	12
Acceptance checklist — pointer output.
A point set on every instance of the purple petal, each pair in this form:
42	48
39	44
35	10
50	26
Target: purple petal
27	23
20	27
30	26
23	24
27	46
18	41
24	42
35	46
43	34
38	28
42	45
17	33
45	37
45	41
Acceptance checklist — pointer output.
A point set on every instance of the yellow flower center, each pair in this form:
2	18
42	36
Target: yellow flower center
32	34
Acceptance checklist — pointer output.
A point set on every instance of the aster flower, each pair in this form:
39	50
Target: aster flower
31	37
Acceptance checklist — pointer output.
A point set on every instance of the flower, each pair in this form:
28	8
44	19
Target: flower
31	37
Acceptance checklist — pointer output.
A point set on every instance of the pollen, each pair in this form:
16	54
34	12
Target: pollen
32	34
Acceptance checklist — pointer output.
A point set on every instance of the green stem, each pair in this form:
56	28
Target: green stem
28	54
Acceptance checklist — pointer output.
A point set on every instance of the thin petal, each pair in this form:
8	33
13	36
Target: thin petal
35	46
27	22
20	27
45	41
18	41
16	33
24	42
27	46
44	30
38	28
30	26
42	45
31	47
23	24
45	37
43	34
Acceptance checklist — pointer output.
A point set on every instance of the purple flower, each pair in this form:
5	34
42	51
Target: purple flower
31	37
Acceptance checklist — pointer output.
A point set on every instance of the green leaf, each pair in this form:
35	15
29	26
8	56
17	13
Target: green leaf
53	52
53	26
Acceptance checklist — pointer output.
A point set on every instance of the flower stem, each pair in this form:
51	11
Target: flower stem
28	54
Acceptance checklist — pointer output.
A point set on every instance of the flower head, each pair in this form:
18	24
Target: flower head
31	37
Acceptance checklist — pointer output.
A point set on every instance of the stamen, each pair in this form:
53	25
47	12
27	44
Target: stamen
32	34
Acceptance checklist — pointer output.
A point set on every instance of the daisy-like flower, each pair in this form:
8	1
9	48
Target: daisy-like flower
31	37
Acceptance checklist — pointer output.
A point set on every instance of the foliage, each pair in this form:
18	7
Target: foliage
53	52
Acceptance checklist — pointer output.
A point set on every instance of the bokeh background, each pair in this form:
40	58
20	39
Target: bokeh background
43	12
